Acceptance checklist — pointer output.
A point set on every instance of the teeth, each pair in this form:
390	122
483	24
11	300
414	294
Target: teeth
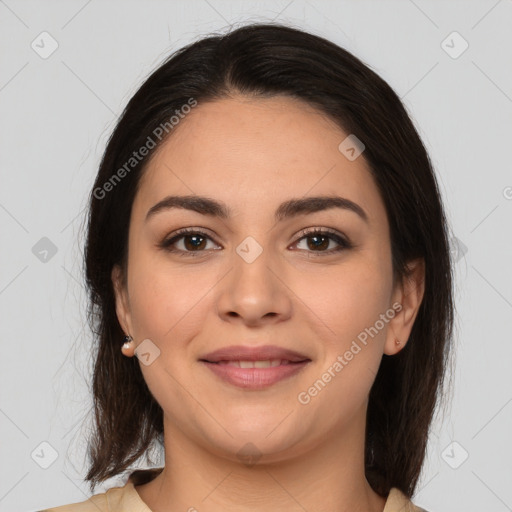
255	364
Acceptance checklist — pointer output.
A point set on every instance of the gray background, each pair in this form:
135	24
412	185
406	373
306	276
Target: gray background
56	115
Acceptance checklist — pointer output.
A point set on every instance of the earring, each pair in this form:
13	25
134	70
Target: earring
127	347
397	342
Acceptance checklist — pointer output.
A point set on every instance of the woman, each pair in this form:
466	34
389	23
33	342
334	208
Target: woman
266	235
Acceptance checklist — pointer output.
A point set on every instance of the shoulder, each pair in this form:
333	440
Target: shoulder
398	502
95	503
116	499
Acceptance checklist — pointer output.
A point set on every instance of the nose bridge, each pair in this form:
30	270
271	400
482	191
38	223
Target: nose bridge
254	290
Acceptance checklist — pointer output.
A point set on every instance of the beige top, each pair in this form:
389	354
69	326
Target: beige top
127	499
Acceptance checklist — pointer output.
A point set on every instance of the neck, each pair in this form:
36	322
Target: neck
327	476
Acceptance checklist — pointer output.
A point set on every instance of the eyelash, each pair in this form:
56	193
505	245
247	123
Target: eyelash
343	242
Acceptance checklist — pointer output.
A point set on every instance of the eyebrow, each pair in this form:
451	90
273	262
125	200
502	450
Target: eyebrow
286	210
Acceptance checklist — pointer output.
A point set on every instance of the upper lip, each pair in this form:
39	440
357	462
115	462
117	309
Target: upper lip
245	353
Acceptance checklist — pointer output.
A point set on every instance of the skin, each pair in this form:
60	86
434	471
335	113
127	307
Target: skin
253	154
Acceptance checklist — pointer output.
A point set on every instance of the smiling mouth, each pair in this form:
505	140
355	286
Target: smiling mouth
255	375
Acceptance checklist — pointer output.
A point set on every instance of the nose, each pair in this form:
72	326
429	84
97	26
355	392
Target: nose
255	292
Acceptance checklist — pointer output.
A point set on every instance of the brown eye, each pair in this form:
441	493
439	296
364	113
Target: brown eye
319	240
187	242
193	242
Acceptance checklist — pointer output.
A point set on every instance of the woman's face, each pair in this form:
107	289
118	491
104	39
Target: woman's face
253	279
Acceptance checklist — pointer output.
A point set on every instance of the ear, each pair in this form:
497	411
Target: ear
407	297
121	298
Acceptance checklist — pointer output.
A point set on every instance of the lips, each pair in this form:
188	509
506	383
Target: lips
254	368
245	353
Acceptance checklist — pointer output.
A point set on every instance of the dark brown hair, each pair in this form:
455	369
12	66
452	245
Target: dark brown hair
265	60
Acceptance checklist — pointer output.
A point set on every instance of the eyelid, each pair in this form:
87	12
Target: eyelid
319	229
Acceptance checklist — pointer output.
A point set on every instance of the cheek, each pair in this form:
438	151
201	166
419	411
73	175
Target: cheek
349	304
165	300
347	301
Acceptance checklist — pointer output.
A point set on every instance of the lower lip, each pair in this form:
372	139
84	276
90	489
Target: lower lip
255	378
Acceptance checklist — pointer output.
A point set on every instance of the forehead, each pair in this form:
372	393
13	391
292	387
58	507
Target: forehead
253	153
